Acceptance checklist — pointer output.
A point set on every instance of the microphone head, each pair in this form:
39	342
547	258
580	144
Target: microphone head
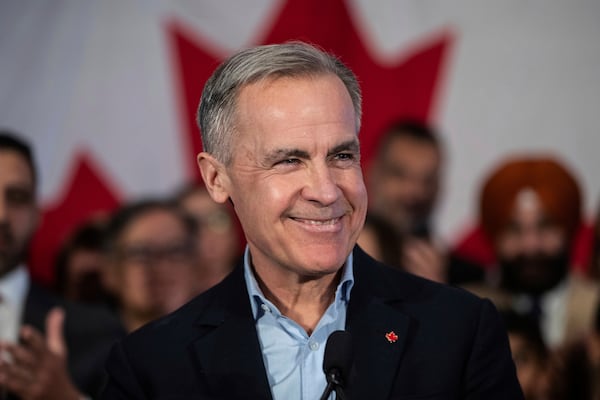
338	355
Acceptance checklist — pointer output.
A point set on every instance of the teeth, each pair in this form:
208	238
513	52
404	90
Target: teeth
318	222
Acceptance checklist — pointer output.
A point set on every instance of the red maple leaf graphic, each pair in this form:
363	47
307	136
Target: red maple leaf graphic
405	88
86	193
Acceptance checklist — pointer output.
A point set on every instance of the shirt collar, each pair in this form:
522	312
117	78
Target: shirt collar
257	298
14	285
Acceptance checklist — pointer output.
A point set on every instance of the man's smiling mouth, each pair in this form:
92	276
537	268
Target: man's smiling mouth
318	222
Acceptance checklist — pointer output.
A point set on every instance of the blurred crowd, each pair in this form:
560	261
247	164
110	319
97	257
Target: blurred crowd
117	272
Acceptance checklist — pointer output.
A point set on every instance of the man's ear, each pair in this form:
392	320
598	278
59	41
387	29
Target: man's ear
215	177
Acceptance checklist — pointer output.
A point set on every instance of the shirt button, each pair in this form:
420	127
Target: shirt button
314	346
265	307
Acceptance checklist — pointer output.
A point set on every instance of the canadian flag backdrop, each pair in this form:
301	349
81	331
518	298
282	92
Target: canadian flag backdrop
106	90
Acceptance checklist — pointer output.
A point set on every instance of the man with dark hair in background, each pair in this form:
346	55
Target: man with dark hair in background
80	263
48	349
404	183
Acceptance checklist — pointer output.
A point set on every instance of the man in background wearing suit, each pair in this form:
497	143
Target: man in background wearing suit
34	365
280	130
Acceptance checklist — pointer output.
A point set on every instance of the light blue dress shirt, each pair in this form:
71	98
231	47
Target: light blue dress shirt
293	359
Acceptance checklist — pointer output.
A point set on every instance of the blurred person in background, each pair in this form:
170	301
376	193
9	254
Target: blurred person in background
538	374
381	241
594	269
404	182
49	349
580	365
79	264
531	210
218	239
151	261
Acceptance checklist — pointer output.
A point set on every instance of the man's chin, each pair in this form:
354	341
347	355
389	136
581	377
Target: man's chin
324	267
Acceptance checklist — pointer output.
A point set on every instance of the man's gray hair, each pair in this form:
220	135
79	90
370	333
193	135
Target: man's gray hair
216	112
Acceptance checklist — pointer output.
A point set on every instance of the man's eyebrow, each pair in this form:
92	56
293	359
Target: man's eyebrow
282	154
350	145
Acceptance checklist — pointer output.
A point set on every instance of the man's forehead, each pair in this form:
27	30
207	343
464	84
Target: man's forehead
14	168
406	145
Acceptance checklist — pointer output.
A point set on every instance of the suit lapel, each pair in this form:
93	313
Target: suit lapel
379	333
228	350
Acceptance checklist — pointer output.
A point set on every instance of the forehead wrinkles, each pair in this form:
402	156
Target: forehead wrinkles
244	109
258	108
276	98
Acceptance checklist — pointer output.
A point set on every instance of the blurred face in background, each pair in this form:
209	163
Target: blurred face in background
532	248
84	270
18	211
404	183
153	272
80	263
218	242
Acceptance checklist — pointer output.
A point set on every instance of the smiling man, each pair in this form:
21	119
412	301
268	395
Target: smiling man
280	130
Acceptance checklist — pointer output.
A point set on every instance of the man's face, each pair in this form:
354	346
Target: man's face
404	183
18	212
154	273
295	179
532	249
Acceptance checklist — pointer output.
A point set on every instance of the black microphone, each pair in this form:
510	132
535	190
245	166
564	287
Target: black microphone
337	362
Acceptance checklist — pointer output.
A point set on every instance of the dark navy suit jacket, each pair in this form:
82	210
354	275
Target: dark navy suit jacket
450	345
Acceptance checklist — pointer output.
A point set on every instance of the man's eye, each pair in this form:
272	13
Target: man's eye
19	197
288	161
344	157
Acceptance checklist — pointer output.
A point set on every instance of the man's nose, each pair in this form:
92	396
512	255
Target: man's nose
321	185
531	241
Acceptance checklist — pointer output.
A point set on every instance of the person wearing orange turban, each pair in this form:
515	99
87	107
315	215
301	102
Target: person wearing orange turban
531	209
551	182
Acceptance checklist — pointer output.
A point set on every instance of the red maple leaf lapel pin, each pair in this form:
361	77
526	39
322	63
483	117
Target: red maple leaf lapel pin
391	337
